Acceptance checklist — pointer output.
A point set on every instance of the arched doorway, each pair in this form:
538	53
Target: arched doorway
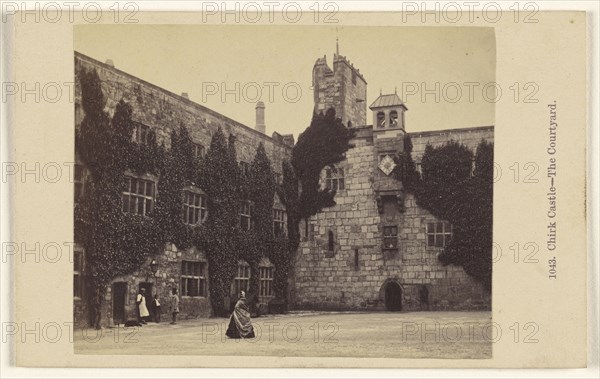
393	297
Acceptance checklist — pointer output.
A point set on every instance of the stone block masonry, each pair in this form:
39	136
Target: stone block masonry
162	111
356	275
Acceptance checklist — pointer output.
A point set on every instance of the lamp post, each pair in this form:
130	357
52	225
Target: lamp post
153	269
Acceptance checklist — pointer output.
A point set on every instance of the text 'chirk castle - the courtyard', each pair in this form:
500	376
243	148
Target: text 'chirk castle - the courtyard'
376	249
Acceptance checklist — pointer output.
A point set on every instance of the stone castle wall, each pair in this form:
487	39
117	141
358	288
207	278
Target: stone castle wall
339	88
162	111
167	277
356	274
470	137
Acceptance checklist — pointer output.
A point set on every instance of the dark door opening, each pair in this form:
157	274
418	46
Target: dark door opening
424	297
119	296
393	297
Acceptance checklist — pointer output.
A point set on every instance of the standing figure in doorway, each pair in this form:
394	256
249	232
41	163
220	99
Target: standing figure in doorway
157	309
174	305
142	308
239	322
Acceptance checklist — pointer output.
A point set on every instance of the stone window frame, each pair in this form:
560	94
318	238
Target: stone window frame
201	208
78	272
279	221
390	237
335	178
330	241
444	235
79	180
141	133
149	200
79	113
307	231
246	208
241	281
197	274
244	168
199	150
266	275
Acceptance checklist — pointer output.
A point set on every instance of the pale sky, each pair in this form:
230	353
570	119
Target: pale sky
198	59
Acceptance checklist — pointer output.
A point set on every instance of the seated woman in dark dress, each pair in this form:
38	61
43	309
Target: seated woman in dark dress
239	322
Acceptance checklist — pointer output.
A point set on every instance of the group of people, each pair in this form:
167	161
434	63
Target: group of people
239	326
144	314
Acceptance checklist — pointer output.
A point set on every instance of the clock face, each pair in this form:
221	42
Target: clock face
387	165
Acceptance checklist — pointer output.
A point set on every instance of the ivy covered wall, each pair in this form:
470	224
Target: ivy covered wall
110	106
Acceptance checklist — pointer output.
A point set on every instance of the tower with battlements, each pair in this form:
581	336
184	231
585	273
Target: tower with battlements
343	88
376	248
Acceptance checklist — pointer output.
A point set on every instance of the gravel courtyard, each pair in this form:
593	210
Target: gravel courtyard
322	334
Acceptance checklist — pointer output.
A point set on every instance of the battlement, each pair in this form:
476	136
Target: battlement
321	64
344	88
341	59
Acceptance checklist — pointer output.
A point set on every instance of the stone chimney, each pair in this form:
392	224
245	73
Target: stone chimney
260	117
110	63
185	94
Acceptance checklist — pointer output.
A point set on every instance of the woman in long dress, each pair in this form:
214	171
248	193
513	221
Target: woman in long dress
239	322
142	309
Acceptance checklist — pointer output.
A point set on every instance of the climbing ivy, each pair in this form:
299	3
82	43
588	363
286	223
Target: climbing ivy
180	170
261	193
405	170
324	143
118	243
219	177
449	192
104	144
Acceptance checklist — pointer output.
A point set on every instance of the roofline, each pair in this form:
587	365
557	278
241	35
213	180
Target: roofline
444	131
371	107
438	131
342	58
177	97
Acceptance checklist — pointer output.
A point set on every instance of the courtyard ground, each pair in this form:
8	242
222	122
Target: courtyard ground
319	334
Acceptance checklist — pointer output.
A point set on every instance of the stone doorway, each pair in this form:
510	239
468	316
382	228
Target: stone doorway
393	297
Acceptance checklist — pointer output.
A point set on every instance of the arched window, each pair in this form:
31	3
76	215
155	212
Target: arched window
330	243
393	119
349	124
380	120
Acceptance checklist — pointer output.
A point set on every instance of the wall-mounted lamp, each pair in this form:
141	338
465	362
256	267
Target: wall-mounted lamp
153	267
